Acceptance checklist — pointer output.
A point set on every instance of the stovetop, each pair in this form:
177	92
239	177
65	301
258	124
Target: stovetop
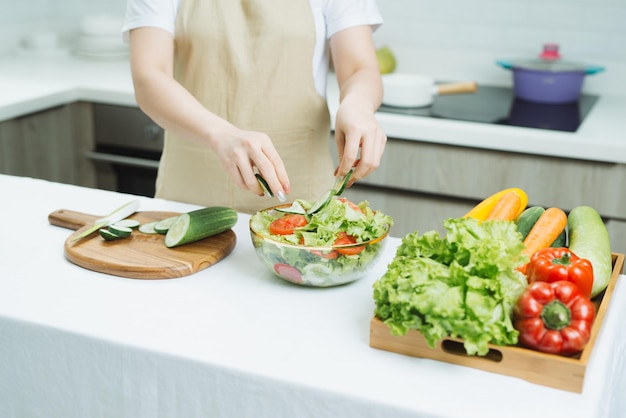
499	106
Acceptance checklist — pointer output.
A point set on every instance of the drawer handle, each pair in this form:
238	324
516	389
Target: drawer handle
122	160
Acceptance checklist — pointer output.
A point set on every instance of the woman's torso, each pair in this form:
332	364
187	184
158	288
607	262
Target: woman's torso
330	17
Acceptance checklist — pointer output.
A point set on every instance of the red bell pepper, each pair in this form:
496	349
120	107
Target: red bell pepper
554	317
555	264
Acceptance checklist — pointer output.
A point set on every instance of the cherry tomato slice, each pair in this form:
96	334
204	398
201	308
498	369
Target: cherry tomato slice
288	272
286	224
345	239
330	255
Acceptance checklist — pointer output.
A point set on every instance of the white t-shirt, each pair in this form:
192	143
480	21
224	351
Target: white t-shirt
331	16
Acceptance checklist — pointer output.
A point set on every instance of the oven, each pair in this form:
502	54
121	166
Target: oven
128	146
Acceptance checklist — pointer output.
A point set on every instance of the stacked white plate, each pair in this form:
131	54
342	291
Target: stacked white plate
100	38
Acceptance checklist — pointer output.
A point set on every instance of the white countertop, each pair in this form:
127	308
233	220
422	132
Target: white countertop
229	341
30	83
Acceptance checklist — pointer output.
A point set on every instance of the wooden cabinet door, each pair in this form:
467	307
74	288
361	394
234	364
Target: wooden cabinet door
49	145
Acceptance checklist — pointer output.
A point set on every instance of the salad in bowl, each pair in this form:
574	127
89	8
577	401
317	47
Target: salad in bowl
321	246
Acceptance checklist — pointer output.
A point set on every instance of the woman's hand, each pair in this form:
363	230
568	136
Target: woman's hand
359	138
241	151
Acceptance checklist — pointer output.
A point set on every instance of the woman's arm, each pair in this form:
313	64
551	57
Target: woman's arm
359	138
175	109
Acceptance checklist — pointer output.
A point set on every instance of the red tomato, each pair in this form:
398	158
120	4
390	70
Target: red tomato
288	273
328	255
345	239
287	223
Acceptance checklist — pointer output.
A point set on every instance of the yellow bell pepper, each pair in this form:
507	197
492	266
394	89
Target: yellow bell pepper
481	210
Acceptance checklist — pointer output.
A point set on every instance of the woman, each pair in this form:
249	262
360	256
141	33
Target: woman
239	86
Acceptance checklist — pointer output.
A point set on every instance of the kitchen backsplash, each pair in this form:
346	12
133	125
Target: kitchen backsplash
462	39
20	19
449	39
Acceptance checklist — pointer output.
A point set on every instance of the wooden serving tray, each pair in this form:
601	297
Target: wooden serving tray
566	373
140	256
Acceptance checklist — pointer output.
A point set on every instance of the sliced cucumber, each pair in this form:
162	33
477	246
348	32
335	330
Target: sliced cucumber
120	231
108	235
162	226
296	208
148	228
200	224
342	182
306	204
322	202
264	186
128	223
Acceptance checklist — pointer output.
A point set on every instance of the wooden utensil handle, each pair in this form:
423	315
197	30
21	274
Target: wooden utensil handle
458	88
70	219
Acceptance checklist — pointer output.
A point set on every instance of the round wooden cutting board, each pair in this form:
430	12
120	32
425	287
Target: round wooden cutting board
140	256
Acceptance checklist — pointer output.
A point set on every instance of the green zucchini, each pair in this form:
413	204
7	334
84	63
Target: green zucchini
527	219
589	238
561	240
199	224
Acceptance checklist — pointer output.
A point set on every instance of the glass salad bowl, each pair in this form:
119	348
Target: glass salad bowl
336	244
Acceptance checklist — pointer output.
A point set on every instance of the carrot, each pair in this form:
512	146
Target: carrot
547	228
506	208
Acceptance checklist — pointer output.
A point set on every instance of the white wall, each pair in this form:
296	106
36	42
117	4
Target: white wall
449	39
19	18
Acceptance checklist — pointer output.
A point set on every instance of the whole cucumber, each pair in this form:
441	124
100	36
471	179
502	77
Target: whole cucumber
199	224
589	238
527	219
561	240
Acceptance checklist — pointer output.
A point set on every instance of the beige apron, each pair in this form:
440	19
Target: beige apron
248	63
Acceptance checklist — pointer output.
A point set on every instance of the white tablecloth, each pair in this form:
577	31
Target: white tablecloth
231	340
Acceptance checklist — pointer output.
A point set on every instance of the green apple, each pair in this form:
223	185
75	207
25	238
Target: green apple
386	60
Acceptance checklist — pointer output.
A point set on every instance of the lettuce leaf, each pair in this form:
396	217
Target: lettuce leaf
461	285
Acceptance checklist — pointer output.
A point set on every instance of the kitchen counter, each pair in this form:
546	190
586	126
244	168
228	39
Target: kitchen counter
231	340
30	83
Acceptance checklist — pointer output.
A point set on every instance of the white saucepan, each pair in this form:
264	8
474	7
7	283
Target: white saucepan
415	90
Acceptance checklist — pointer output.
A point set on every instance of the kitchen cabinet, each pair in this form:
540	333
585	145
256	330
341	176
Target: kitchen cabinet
617	232
419	184
86	144
49	145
